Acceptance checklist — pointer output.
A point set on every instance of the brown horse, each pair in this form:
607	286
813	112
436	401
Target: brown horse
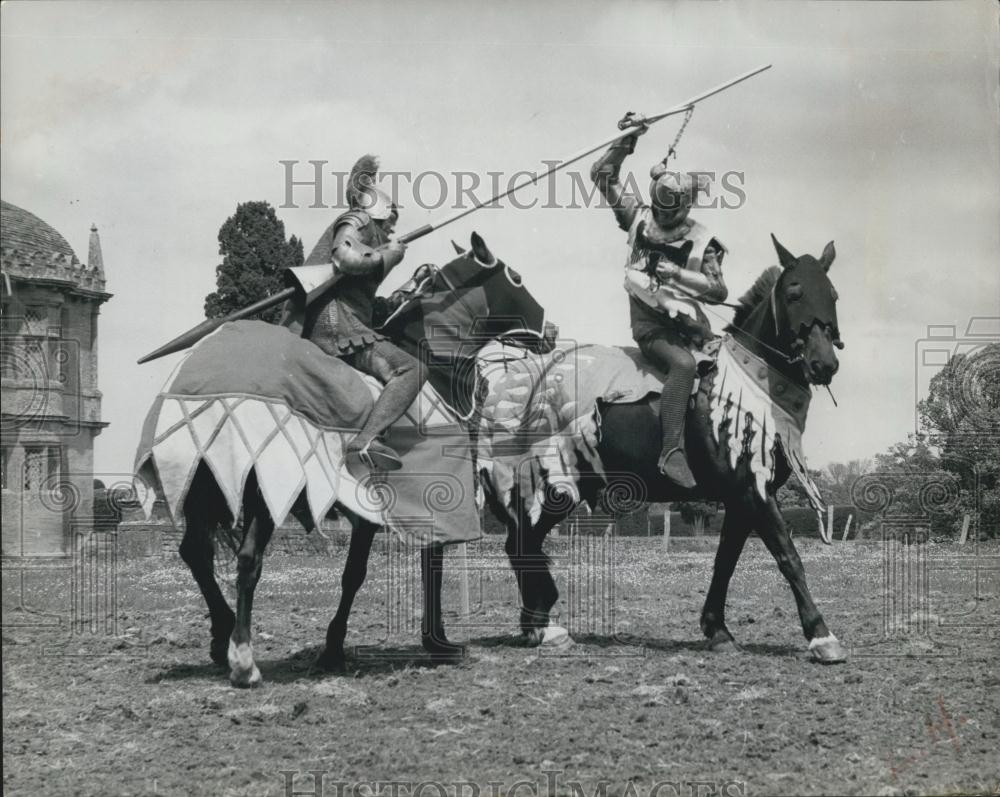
782	340
462	306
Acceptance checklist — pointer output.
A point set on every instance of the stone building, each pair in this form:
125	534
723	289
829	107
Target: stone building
51	406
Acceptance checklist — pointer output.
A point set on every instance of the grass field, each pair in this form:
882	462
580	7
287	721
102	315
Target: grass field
130	704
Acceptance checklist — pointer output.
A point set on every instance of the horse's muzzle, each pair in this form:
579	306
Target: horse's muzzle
821	373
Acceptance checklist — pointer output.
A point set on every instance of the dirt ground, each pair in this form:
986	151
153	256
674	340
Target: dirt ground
130	704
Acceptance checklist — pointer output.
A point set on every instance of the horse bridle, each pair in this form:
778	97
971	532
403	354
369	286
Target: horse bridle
798	343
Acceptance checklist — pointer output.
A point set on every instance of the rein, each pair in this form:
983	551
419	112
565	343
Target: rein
785	357
454	292
478	386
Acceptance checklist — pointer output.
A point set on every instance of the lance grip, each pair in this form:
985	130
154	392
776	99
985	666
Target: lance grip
331	276
631	119
420	232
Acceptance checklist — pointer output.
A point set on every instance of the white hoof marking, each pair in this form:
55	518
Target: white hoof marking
242	670
555	636
827	649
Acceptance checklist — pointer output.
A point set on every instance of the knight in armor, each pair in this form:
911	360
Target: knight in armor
673	264
360	246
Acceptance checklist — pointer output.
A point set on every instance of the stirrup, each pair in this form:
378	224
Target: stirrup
377	456
674	465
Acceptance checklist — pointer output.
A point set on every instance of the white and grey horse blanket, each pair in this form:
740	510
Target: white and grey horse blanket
541	421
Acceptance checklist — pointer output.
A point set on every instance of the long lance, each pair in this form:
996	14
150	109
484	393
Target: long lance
311	281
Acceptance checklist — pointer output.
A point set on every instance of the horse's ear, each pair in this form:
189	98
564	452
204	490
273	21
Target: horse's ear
481	250
458	249
826	259
785	258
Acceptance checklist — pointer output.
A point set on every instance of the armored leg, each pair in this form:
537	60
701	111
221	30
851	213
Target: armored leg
679	366
402	377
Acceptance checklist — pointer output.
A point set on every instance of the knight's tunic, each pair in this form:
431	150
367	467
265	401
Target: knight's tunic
655	304
340	320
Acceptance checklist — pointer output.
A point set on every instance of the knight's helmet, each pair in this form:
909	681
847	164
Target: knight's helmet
674	193
362	194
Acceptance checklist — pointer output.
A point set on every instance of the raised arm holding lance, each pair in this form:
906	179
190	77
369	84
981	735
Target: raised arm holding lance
606	174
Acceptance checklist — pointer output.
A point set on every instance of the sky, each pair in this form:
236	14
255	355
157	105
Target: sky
876	127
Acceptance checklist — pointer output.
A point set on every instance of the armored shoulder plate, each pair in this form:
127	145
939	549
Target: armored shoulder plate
357	219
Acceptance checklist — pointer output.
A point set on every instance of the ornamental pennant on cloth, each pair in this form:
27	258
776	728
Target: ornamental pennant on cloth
765	414
254	395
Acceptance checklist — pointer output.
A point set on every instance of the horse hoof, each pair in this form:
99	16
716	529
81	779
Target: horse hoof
827	650
331	662
245	679
555	636
243	671
442	651
551	637
725	647
723	642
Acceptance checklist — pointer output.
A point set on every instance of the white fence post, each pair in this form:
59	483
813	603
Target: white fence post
847	527
463	559
965	529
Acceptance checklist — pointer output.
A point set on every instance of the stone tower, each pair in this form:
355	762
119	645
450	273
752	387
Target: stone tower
51	406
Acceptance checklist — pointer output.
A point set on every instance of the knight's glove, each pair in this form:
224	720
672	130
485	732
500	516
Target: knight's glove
392	255
609	164
422	273
692	282
667	271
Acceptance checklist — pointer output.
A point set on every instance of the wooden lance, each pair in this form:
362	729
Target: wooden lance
321	281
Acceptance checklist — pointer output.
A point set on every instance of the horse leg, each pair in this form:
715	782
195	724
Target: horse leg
259	526
202	516
363	531
735	529
433	637
534	579
823	645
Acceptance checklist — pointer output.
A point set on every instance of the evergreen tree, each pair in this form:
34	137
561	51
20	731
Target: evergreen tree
254	254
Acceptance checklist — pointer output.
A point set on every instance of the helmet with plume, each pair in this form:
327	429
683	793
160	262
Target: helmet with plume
362	193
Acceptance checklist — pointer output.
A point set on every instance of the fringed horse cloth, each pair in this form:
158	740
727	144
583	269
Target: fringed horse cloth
765	414
254	395
540	420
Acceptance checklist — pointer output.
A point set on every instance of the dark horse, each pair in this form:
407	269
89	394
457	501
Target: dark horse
787	320
491	302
